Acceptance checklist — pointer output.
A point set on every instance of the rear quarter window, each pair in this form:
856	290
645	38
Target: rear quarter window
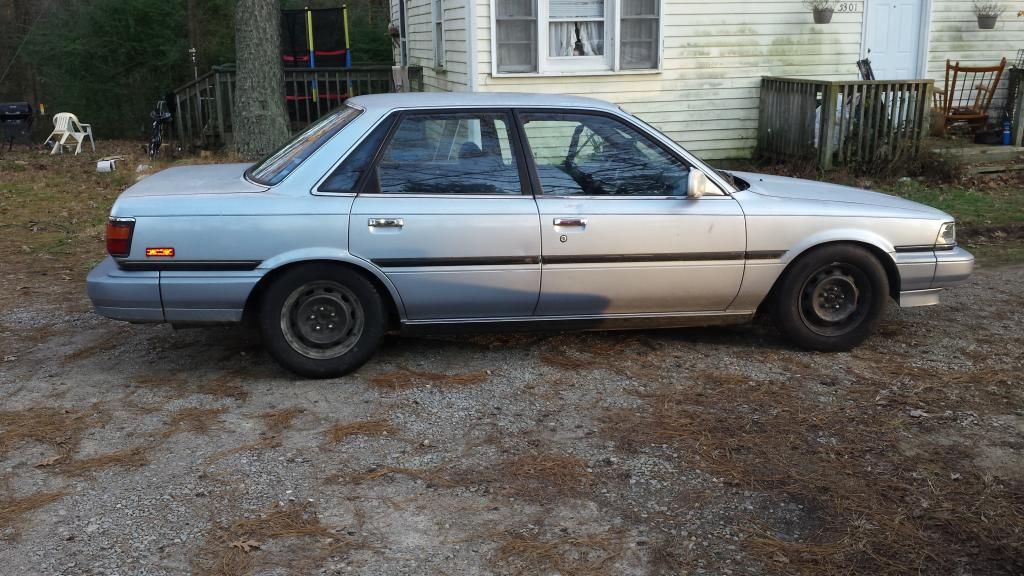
276	167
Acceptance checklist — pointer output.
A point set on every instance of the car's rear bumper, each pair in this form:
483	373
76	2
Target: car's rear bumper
186	297
924	274
130	296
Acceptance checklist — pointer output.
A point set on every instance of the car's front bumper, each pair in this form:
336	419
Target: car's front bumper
924	274
131	296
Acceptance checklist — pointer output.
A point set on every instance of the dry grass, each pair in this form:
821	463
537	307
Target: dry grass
173	385
277	421
128	458
107	343
404	379
240	548
58	428
876	509
629	357
226	385
341	431
567	362
533	476
569	556
540	475
12	509
197	420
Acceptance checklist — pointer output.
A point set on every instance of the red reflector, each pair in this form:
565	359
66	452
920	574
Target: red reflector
160	252
119	236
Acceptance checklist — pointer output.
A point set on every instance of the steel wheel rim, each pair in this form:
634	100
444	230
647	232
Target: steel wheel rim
322	319
835	298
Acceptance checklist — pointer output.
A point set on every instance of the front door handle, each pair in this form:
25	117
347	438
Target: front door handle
386	222
578	222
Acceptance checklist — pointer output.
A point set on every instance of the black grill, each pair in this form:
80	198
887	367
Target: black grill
15	123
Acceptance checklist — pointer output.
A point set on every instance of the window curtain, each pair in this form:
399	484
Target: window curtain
592	37
576	39
561	38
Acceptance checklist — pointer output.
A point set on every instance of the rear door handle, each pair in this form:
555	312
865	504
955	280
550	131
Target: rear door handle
386	222
579	222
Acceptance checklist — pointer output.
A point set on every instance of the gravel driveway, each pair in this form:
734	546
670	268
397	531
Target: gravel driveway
144	450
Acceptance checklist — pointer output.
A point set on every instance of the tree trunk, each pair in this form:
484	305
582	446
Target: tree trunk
260	122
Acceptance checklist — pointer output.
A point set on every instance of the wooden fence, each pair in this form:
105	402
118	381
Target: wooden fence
205	106
843	122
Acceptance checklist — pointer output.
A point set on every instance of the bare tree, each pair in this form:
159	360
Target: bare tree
260	123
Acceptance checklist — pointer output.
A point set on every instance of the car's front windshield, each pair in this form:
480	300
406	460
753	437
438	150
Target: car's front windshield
280	164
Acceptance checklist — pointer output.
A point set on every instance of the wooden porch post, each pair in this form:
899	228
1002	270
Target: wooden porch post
827	131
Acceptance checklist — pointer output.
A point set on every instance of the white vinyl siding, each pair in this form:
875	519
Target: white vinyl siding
712	57
422	28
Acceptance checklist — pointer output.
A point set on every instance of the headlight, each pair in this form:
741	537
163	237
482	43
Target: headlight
947	235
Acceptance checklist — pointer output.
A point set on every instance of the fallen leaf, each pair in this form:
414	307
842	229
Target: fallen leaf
10	358
915	413
778	557
246	545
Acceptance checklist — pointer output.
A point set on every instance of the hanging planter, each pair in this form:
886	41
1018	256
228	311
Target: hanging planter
821	9
988	13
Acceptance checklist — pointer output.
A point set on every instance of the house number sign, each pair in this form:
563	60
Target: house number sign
849	7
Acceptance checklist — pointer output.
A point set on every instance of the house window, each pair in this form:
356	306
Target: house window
516	22
438	12
576	35
639	32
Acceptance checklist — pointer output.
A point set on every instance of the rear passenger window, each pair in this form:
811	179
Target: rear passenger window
448	153
345	177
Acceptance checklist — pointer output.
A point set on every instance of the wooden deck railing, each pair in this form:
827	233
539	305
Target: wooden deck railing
843	122
205	106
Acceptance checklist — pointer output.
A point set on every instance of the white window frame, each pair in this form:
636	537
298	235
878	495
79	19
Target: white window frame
437	27
607	64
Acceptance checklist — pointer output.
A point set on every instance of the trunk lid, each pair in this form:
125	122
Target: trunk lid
198	179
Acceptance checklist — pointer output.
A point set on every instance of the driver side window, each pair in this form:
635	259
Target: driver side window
591	155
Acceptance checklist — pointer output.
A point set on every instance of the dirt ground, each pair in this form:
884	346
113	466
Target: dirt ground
143	450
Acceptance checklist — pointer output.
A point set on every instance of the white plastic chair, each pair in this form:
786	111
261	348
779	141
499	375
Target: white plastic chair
66	125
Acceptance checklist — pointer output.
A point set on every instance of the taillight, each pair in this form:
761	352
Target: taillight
119	236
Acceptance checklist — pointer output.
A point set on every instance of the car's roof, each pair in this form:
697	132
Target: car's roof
476	99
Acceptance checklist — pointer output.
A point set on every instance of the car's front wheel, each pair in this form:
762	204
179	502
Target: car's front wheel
831	299
322	321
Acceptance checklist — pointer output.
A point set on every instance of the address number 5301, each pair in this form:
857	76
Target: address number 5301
848	7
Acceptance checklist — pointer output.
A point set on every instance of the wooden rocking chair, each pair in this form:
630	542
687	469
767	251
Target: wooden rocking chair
966	96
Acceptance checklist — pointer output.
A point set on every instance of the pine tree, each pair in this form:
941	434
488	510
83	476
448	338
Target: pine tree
260	123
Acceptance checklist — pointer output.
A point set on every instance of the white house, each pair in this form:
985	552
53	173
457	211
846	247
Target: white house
690	67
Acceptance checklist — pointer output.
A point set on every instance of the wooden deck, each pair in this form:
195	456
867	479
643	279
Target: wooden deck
843	122
979	159
205	106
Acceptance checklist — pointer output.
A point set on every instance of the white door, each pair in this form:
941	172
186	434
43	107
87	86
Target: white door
893	38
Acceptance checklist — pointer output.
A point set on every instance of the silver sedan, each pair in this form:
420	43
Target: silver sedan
416	211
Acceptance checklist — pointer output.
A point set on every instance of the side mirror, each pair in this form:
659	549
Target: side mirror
698	185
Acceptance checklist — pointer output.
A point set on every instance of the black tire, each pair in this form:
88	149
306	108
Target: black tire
831	299
321	321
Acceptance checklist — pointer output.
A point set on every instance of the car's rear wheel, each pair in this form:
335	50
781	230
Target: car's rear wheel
831	299
322	321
